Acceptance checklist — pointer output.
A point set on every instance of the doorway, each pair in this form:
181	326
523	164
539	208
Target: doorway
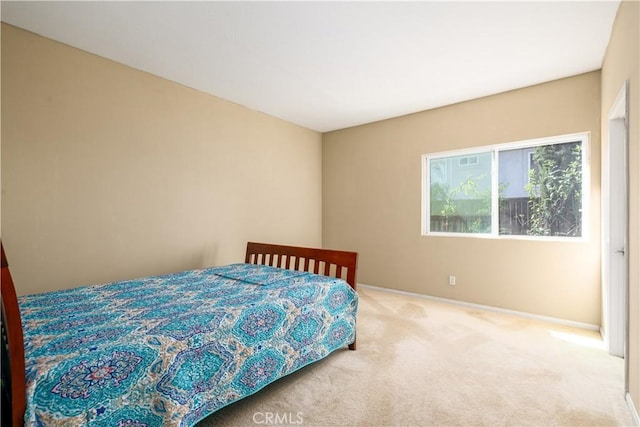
615	229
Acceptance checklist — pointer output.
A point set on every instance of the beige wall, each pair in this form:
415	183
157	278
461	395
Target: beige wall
111	173
622	63
372	204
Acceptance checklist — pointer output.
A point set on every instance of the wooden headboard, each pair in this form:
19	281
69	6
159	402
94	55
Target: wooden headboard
340	264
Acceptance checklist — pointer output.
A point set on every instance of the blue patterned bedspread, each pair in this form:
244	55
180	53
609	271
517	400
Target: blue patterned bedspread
172	349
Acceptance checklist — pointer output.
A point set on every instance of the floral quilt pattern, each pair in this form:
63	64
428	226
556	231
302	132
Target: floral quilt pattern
172	349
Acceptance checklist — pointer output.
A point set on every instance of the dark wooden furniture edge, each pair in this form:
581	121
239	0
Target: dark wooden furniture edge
12	324
327	262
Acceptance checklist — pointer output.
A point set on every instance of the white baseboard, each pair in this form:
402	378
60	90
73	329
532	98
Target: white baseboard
555	320
632	408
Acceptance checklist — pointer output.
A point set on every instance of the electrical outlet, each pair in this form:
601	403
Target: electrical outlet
452	280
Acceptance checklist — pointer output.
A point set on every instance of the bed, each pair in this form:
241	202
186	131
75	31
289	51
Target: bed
172	349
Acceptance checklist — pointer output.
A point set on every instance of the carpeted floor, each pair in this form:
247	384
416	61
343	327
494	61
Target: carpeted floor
426	363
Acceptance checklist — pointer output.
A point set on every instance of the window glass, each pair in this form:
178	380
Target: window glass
540	190
460	194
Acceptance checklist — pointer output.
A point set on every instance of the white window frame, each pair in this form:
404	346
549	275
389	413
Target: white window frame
582	137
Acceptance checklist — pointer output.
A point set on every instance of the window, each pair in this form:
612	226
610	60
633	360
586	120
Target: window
468	160
530	188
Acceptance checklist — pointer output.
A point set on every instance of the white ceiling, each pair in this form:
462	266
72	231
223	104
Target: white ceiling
331	65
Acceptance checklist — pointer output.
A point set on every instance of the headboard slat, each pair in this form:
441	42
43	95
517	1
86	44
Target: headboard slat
342	260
